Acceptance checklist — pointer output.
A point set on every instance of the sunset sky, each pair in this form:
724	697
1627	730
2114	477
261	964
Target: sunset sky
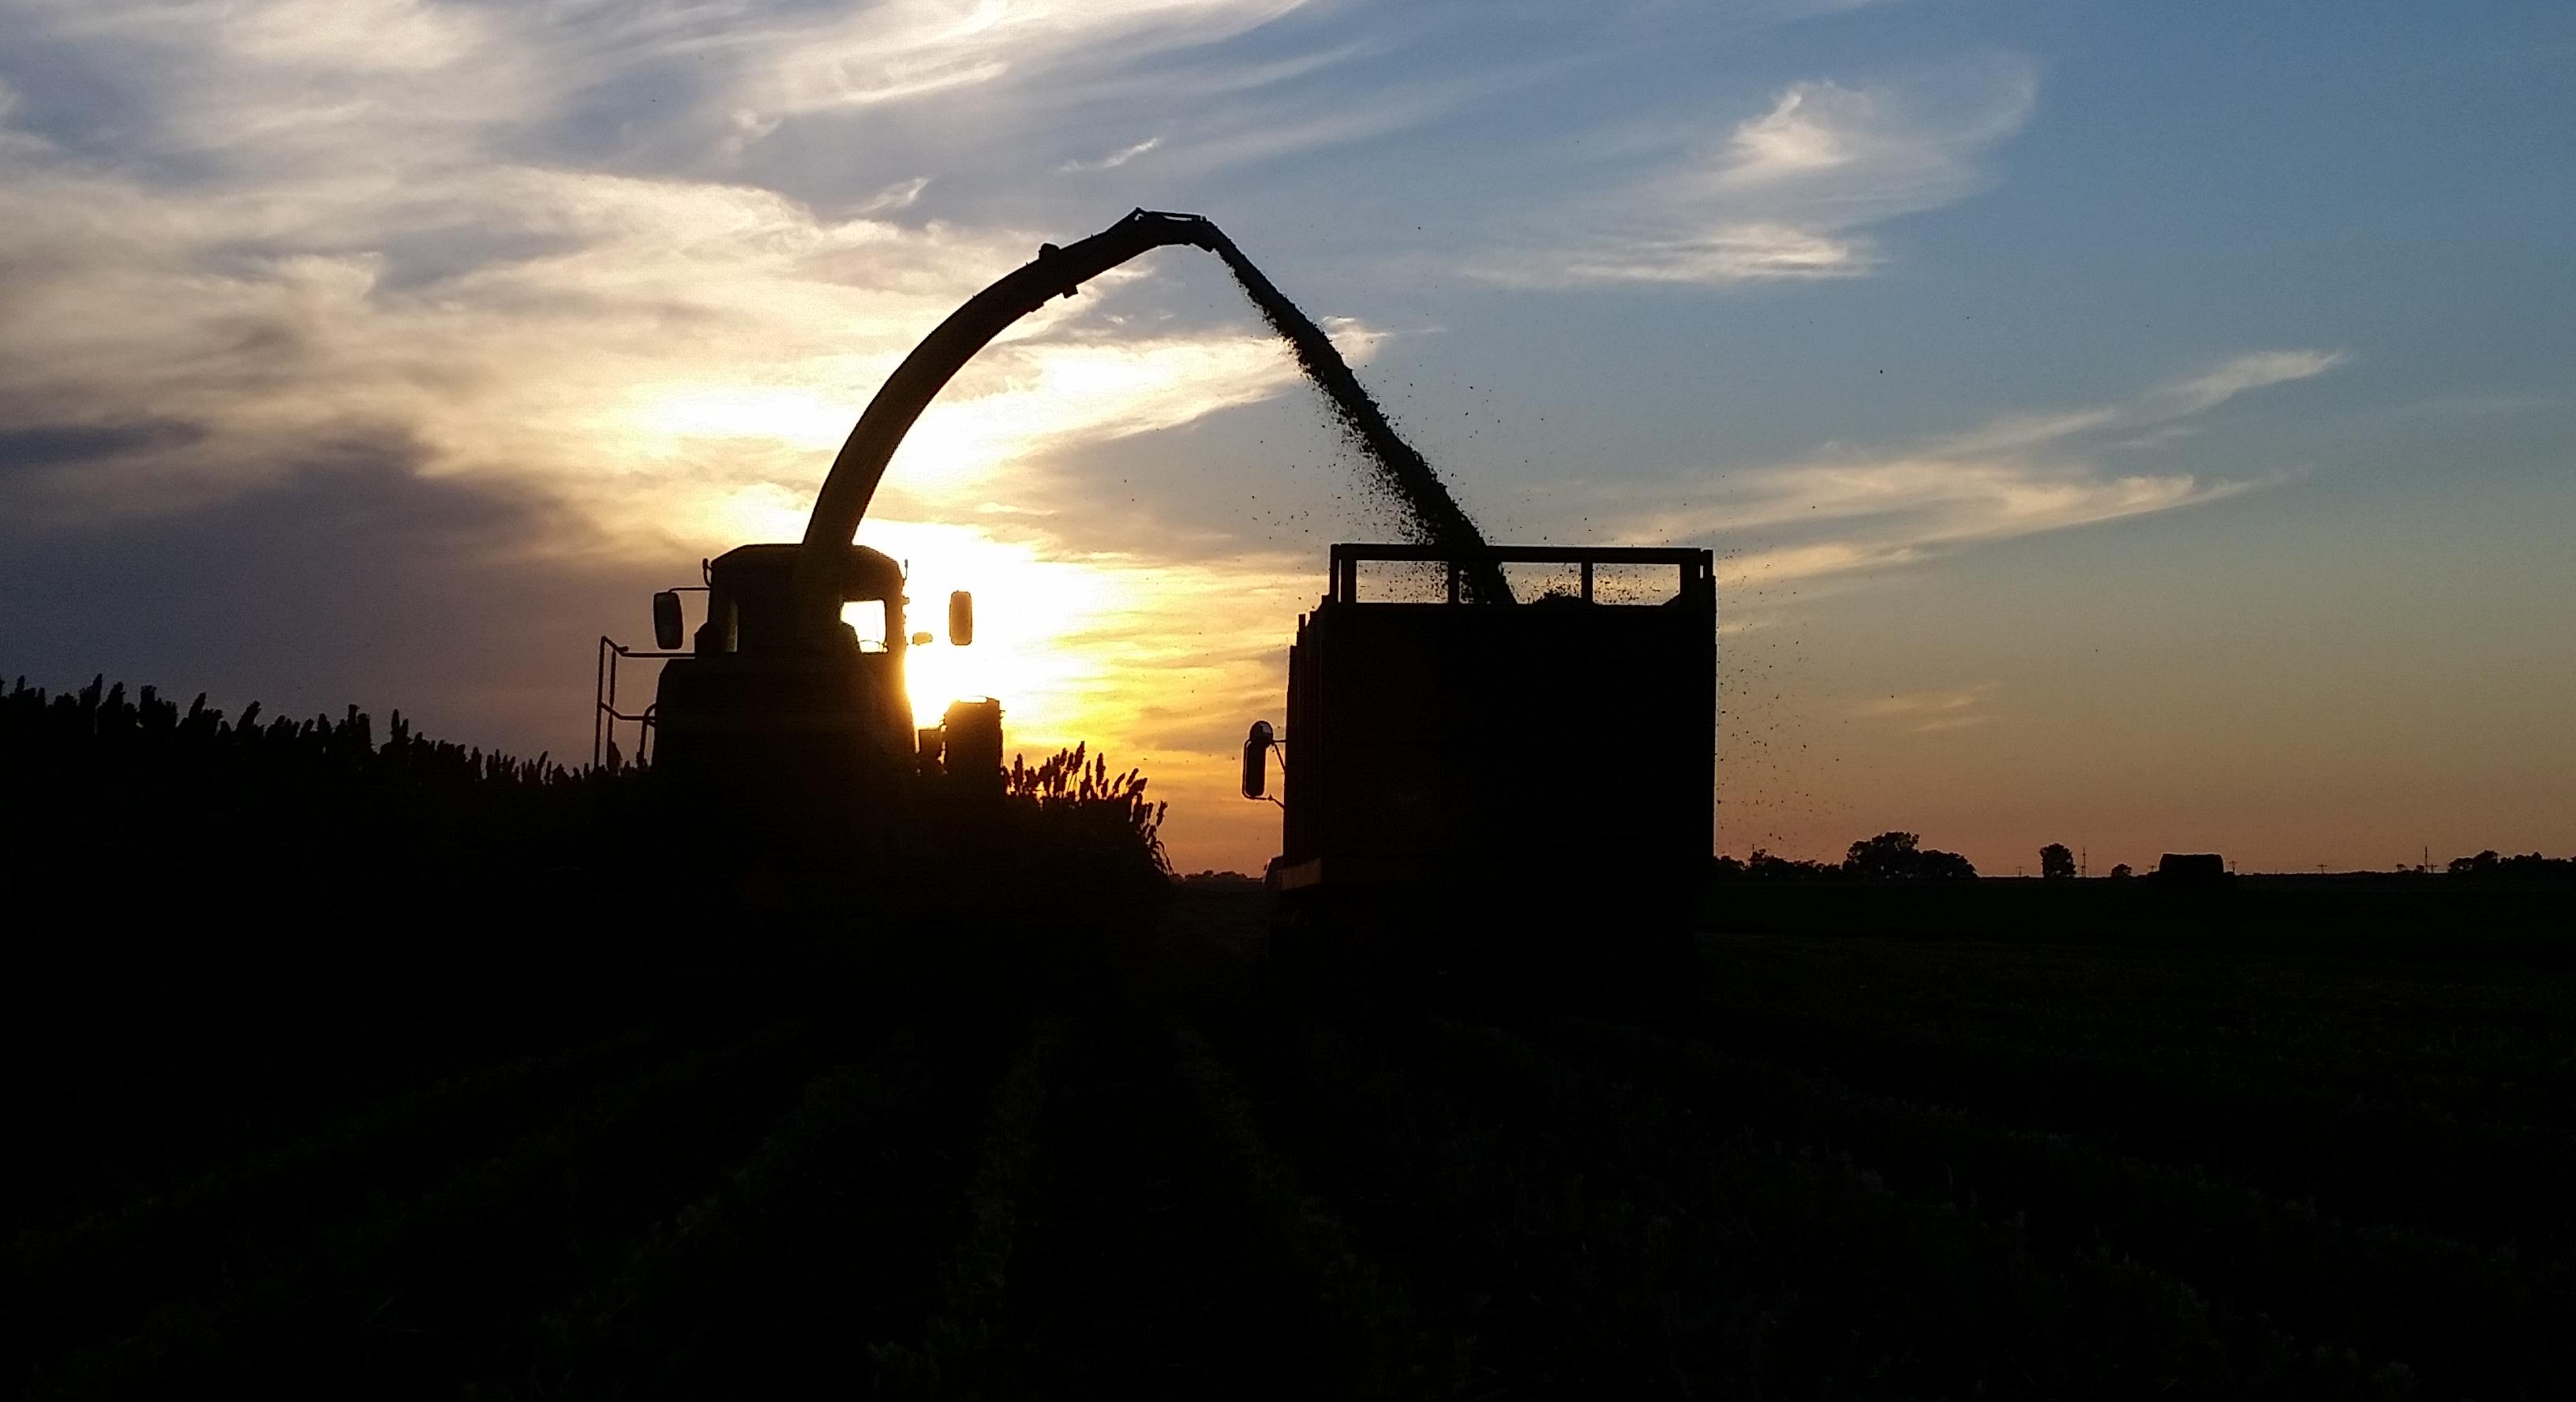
2146	427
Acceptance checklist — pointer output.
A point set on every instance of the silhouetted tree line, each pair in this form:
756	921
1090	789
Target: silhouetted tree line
2527	866
1890	856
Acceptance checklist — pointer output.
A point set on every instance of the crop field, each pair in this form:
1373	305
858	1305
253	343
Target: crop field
1862	1167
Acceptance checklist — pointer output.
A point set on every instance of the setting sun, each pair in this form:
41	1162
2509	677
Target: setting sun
1025	607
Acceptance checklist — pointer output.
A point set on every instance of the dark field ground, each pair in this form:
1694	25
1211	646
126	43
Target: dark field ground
2117	1155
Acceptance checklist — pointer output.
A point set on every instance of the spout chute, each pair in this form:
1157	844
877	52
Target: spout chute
1055	272
815	593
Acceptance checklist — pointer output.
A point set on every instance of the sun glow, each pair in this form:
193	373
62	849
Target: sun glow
1025	607
1156	664
804	418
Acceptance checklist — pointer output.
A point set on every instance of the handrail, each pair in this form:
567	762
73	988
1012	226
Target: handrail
604	713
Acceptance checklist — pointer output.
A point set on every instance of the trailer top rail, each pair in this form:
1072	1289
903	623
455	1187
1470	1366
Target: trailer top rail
1697	569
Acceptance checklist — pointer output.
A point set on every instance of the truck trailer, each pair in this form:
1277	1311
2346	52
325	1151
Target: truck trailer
1511	798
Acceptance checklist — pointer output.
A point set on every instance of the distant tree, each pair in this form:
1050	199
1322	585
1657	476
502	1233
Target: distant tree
2056	862
2121	872
1725	867
2482	864
1886	856
1901	856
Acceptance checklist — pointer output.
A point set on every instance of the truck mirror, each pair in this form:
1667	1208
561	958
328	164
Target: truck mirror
1256	761
961	618
666	620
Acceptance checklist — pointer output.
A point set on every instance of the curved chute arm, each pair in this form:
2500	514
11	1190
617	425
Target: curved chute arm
862	460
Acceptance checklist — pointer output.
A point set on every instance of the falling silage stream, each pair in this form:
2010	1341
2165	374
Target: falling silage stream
1433	515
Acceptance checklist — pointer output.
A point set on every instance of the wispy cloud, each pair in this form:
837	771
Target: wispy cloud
2014	475
1929	712
1289	126
1113	160
2245	373
1788	192
909	48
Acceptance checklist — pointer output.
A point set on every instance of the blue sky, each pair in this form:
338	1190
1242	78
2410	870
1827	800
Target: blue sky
2139	426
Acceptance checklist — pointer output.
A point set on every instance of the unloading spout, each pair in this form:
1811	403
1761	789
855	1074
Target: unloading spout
861	463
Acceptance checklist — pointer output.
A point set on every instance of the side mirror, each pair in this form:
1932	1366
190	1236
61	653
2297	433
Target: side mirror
961	618
1256	761
667	633
922	640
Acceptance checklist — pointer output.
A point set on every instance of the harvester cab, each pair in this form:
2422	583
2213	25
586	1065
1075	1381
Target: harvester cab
756	701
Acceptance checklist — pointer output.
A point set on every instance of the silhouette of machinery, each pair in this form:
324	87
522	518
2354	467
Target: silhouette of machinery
1476	783
775	705
1506	792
